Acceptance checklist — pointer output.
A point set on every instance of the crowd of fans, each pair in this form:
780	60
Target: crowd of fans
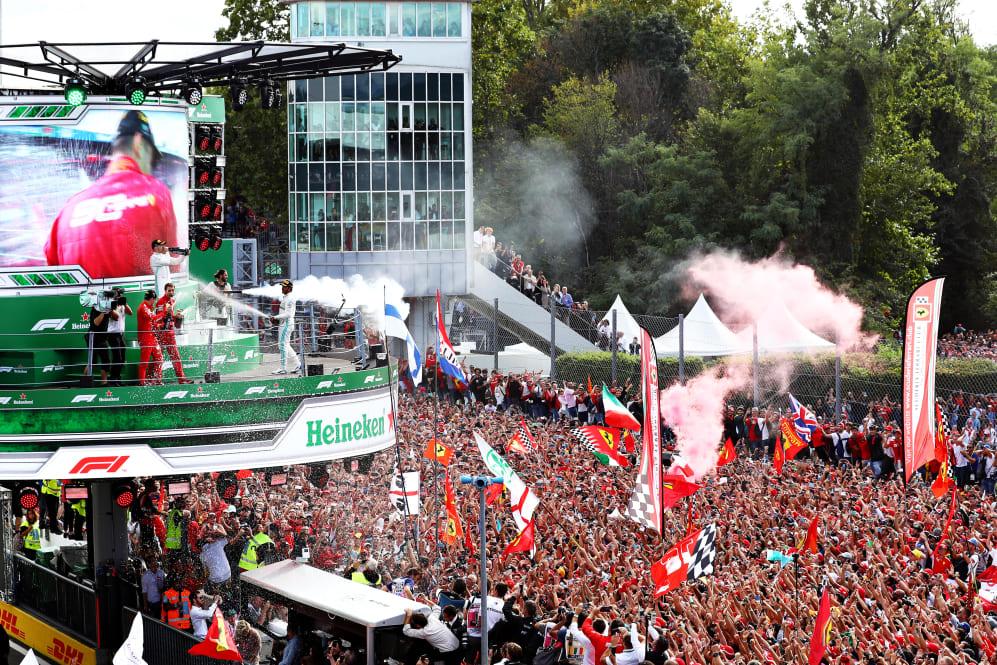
900	577
962	343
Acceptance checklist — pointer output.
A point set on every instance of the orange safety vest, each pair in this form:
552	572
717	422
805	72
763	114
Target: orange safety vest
176	608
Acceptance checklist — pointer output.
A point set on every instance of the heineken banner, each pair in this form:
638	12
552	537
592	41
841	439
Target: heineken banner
320	429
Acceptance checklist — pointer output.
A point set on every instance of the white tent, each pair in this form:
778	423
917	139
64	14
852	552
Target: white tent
780	332
704	335
517	358
625	323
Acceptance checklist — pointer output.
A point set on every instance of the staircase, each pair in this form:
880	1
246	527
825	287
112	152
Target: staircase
519	315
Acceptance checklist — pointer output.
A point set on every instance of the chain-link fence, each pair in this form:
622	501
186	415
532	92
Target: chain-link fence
853	385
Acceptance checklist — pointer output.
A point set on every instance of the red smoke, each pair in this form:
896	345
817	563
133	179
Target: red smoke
746	292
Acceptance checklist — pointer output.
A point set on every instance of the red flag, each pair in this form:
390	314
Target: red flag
790	441
727	454
942	565
219	643
689	560
243	474
603	442
590	384
521	543
439	452
628	441
809	542
918	377
943	483
452	531
675	486
822	630
493	493
468	541
779	457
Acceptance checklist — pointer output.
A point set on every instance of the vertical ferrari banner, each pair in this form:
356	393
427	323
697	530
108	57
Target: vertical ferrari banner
920	340
645	503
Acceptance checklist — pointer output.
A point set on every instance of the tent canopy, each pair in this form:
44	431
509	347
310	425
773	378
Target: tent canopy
780	332
704	335
625	323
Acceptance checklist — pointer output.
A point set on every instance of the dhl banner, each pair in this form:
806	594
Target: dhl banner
920	340
45	640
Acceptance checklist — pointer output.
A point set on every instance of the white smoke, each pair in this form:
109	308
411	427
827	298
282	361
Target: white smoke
369	297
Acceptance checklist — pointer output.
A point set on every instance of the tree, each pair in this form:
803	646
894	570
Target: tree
255	136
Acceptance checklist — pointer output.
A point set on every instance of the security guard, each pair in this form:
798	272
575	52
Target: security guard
33	538
51	495
249	560
368	574
79	507
176	607
174	526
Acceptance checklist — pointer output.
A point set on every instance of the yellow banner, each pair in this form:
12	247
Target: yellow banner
44	639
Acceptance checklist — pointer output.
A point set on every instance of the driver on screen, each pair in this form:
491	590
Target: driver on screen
105	229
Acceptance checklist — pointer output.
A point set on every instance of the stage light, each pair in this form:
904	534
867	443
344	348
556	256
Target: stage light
135	90
268	96
76	91
202	242
203	207
203	176
239	94
216	139
28	495
124	493
278	96
227	485
318	475
216	242
192	93
216	177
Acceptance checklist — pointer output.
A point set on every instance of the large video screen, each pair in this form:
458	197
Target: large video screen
85	194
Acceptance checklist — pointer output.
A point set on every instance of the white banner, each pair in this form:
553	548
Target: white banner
523	500
130	652
321	428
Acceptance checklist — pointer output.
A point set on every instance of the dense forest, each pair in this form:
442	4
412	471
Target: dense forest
614	139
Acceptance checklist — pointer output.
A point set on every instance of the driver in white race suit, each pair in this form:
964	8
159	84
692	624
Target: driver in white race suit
285	317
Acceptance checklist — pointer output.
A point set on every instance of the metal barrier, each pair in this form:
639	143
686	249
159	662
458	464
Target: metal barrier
164	644
57	597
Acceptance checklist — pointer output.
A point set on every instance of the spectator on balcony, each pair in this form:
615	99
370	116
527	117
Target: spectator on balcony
516	267
556	294
488	248
603	331
635	347
529	283
476	242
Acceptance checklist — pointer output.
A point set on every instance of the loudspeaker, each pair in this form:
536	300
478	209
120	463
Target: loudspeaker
315	370
212	377
86	382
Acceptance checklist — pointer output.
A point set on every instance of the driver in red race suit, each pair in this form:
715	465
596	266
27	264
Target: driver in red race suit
149	373
105	229
166	330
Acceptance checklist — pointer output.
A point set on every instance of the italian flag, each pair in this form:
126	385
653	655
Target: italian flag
617	414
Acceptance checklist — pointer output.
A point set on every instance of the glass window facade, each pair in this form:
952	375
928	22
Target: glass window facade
376	161
377	19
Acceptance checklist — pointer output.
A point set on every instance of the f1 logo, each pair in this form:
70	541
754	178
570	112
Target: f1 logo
323	384
83	398
255	390
371	379
6	369
178	394
110	464
4	400
49	324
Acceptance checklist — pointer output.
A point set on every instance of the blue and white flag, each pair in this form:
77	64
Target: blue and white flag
444	349
395	327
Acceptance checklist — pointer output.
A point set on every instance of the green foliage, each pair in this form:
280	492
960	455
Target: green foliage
254	137
501	38
598	366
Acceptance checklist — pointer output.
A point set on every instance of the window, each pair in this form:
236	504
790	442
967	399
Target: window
332	19
408	19
294	22
317	12
439	12
454	19
303	28
347	19
425	20
363	19
378	20
407	209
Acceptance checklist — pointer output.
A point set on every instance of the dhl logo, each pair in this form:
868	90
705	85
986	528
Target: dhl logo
9	622
65	653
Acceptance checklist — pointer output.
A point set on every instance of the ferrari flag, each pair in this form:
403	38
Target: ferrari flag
691	559
822	630
920	340
645	502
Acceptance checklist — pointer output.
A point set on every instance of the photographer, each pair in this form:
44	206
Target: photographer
161	260
100	355
116	334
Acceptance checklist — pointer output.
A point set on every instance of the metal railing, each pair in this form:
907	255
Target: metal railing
164	644
63	600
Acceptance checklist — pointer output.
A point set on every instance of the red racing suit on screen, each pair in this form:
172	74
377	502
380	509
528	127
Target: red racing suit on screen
147	323
108	227
166	333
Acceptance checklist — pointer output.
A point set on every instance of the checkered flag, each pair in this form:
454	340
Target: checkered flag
943	454
704	553
643	508
523	440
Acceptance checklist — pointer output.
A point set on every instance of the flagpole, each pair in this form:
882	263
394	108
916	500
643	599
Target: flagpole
796	591
436	432
394	410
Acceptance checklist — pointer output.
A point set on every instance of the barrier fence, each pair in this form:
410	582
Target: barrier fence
850	384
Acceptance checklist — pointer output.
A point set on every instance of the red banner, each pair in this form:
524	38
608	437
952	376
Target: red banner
920	340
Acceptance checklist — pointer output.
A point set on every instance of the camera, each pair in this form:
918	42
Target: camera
104	300
180	250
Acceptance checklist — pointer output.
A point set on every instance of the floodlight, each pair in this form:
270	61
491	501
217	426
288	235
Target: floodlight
135	90
239	94
75	91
